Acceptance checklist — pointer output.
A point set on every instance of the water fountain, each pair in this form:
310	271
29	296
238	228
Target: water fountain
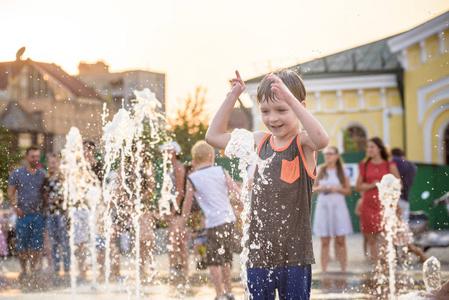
432	274
432	282
241	146
124	146
124	165
82	194
389	193
124	152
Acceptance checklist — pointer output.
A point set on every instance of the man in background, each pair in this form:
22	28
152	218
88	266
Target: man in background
407	170
27	184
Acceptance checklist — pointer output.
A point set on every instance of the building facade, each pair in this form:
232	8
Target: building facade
396	88
39	102
118	87
424	56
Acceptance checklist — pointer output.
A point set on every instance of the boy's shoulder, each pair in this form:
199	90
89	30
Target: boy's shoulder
259	136
205	170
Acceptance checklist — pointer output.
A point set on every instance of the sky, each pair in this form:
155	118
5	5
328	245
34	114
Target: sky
200	42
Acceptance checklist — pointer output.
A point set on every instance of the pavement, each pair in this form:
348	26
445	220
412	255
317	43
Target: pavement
334	284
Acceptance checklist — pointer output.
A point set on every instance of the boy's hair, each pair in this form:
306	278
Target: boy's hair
290	78
202	152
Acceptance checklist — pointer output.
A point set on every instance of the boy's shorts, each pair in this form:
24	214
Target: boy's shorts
219	245
30	232
292	282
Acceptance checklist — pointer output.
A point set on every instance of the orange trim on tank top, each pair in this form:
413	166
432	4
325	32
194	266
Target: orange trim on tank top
279	149
309	172
262	141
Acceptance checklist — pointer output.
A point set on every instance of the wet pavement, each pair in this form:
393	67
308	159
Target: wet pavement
355	284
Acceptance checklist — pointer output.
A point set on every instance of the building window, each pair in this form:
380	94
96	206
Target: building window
25	140
354	139
40	140
446	145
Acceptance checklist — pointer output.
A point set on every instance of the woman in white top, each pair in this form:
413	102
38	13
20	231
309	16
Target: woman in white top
331	214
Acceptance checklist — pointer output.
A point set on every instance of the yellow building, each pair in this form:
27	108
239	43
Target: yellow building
396	88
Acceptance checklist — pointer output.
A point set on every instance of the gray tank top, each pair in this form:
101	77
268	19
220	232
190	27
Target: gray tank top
280	231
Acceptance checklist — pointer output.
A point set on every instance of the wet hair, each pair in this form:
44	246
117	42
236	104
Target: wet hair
31	148
397	152
380	144
89	144
322	172
291	79
202	152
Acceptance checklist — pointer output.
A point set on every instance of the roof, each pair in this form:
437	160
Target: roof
7	68
378	57
73	84
419	33
14	117
372	58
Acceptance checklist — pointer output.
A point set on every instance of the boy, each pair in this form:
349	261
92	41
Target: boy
211	185
280	239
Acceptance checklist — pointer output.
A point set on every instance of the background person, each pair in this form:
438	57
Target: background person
332	218
27	182
371	171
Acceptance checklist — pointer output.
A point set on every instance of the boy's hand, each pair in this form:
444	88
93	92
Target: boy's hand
237	85
279	89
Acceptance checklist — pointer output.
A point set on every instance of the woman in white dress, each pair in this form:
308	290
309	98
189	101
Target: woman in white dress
331	214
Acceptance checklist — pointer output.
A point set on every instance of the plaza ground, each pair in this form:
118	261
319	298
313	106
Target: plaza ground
332	285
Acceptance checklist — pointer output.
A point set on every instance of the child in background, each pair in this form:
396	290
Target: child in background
280	234
211	186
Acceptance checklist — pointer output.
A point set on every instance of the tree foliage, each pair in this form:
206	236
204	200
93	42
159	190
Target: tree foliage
8	157
190	124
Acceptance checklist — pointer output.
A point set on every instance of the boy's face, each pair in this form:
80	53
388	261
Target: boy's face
279	118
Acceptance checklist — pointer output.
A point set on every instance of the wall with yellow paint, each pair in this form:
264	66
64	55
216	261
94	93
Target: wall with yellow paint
413	122
370	118
419	75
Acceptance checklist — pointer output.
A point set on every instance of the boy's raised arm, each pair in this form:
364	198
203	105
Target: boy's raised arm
217	134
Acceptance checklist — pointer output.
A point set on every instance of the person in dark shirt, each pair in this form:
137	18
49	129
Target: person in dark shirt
25	193
407	171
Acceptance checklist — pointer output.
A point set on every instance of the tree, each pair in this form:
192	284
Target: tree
8	158
190	124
